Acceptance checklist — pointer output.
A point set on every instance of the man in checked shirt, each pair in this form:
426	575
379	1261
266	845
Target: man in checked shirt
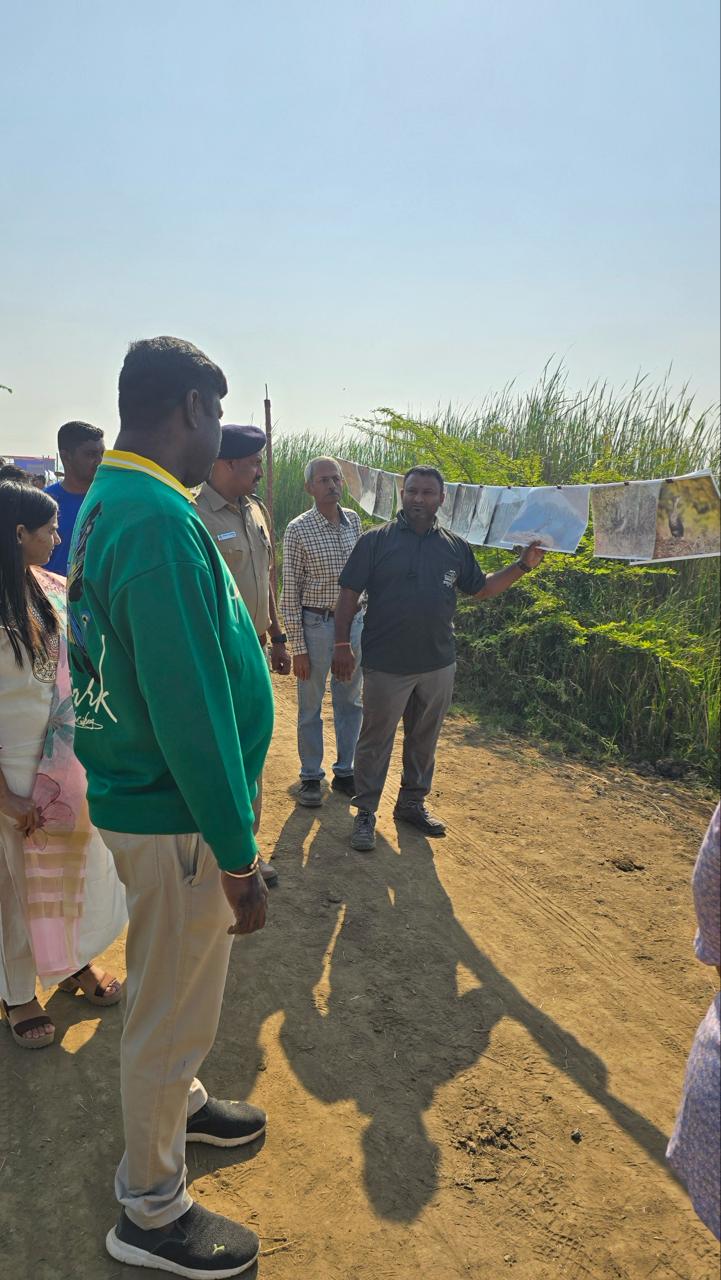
315	548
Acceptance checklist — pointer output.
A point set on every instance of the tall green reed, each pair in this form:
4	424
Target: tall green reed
599	656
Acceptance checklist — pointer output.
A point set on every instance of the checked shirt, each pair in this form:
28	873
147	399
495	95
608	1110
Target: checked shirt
314	554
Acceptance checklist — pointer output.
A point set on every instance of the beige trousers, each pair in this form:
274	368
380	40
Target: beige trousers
177	952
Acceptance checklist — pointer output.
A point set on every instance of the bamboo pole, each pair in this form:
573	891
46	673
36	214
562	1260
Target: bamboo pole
269	481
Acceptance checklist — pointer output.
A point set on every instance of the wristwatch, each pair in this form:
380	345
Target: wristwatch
281	638
525	568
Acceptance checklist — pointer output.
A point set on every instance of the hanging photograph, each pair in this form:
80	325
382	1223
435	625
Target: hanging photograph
464	509
486	499
352	478
369	488
385	493
688	519
444	515
557	518
624	519
399	486
511	501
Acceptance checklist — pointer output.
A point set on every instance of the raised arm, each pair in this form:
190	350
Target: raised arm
498	582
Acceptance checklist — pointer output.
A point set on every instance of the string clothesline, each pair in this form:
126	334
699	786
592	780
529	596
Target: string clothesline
642	521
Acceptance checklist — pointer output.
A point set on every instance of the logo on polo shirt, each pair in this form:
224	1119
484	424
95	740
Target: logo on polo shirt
449	578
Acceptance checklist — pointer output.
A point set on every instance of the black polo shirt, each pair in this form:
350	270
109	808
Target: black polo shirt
411	581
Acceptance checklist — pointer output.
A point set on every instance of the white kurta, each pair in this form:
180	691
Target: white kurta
25	705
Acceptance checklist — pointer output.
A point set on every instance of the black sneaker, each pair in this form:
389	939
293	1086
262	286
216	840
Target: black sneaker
269	873
200	1245
309	793
363	837
418	816
226	1124
343	782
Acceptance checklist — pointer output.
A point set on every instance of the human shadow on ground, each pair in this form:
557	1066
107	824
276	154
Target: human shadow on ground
350	1034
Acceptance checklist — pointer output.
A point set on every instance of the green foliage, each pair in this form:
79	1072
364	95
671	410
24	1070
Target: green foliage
602	657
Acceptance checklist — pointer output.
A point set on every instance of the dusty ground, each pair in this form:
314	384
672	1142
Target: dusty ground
427	1026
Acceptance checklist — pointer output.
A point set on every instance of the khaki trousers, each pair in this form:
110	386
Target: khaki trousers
422	702
177	952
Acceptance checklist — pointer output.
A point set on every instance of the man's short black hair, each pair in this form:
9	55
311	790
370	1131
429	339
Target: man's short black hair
425	471
71	434
156	376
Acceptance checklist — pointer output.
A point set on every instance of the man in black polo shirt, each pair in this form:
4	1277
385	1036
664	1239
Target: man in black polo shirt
411	570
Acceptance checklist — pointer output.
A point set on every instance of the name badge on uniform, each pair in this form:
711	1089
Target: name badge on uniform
223	537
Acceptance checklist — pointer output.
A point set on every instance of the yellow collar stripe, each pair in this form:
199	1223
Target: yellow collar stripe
124	461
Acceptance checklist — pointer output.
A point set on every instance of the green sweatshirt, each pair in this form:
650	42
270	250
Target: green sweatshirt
173	700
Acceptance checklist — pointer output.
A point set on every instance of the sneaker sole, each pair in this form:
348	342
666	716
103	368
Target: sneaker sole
363	848
122	1252
310	804
212	1140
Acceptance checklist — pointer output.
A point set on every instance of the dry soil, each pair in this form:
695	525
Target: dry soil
471	1049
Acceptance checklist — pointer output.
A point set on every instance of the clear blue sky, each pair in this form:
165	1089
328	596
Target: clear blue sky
363	202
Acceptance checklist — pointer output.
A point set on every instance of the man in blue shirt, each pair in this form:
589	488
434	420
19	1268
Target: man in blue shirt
81	449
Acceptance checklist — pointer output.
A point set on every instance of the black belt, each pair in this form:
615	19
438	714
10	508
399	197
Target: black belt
325	614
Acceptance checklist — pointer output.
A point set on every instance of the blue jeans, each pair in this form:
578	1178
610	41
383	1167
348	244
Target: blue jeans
347	699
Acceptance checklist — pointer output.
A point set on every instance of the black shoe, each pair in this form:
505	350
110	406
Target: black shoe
343	782
363	837
309	793
269	873
418	816
200	1245
226	1124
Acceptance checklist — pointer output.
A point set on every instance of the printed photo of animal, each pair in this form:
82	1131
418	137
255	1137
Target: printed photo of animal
624	519
688	519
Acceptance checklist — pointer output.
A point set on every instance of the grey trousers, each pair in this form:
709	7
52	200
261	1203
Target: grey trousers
422	701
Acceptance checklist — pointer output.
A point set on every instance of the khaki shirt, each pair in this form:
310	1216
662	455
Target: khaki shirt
242	535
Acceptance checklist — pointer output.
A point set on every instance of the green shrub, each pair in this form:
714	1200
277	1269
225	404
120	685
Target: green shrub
599	656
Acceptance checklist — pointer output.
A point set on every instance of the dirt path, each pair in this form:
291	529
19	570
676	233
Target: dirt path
427	1027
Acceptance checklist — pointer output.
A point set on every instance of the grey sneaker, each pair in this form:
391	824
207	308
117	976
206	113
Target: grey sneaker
200	1243
363	837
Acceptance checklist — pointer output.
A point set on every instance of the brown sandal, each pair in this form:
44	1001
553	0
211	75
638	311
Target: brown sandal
20	1029
103	993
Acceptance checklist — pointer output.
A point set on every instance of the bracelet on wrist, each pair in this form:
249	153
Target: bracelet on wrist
244	875
343	644
525	568
281	638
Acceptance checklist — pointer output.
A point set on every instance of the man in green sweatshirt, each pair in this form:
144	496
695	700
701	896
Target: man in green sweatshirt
174	714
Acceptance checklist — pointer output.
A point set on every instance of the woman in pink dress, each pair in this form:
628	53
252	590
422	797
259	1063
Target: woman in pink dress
60	899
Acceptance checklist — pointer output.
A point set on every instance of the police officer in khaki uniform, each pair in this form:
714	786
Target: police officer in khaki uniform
240	527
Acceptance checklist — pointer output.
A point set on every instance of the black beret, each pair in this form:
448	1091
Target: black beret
241	442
